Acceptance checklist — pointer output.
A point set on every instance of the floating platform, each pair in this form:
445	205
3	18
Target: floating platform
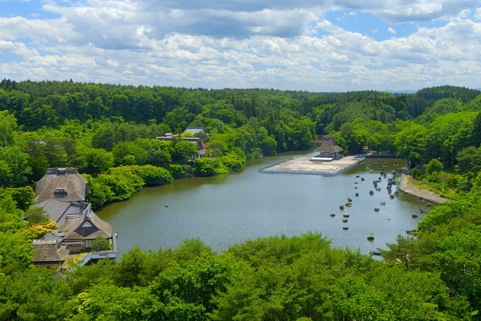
305	165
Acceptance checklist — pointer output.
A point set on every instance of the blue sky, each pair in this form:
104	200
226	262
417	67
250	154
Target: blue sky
313	45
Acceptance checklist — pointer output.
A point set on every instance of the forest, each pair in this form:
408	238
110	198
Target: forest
109	133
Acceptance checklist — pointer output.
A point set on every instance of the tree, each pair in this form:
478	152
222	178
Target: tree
8	126
100	243
205	166
14	167
434	166
459	262
36	215
184	150
98	160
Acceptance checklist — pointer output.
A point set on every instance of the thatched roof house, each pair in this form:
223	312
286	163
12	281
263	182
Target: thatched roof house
61	193
63	184
47	253
329	150
81	231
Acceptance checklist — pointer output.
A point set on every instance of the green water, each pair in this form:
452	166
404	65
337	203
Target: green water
228	209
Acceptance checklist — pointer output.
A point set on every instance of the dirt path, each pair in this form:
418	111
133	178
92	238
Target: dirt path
414	191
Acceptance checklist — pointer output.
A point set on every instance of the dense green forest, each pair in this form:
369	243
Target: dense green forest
108	132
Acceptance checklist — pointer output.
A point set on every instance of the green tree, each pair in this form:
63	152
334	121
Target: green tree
98	160
183	150
14	167
8	127
100	243
434	166
459	262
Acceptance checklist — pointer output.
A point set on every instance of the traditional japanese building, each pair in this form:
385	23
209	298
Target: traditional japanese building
61	194
329	151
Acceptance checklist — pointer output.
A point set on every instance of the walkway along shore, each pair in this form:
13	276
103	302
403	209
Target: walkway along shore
412	190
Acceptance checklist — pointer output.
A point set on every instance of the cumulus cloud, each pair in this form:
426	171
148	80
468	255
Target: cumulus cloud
233	43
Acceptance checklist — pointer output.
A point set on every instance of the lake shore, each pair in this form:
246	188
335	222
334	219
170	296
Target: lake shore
412	190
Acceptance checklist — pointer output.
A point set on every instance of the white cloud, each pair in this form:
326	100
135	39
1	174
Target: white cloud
243	44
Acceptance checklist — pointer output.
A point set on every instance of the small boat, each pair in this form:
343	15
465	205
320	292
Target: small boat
348	204
376	209
415	216
332	214
357	194
362	179
346	215
166	205
383	203
344	220
345	228
391	196
349	199
371	192
376	252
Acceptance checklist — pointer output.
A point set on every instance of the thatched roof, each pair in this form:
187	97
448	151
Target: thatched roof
47	253
62	184
329	147
89	226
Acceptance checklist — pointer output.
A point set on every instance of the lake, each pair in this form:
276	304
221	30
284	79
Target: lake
227	209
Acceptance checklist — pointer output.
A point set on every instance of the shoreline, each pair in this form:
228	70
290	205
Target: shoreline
412	190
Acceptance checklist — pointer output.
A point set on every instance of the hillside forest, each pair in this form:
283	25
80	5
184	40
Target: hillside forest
109	133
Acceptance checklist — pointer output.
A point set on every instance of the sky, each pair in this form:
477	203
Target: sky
309	45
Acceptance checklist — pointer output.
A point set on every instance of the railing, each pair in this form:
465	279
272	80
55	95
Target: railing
102	254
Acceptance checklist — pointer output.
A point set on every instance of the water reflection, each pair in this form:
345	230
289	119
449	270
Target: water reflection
228	209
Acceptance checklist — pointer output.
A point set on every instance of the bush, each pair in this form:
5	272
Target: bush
100	243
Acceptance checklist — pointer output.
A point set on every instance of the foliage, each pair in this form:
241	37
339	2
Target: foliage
208	167
100	243
434	166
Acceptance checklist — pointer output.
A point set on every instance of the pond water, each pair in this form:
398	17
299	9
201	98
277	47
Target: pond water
227	209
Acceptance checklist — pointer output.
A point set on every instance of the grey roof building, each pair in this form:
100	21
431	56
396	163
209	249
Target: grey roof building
195	130
61	193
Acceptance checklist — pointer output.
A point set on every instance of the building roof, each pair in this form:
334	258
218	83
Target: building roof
329	147
88	226
62	184
47	252
194	130
58	210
